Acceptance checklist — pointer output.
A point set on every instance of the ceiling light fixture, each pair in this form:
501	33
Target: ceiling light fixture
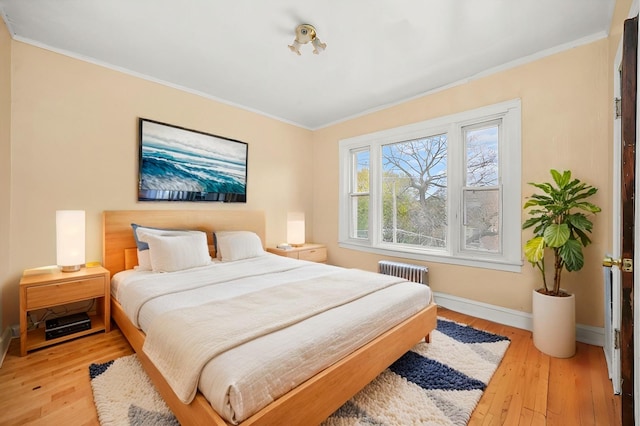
306	33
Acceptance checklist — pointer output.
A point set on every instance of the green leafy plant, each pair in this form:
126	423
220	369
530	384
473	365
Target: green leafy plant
560	224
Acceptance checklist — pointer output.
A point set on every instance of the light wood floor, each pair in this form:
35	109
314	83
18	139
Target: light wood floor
51	386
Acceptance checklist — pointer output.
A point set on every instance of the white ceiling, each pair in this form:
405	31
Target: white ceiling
379	52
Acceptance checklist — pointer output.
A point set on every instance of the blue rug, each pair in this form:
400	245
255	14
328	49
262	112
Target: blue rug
439	383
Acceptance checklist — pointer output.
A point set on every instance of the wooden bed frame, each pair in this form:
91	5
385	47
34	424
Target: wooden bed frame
309	403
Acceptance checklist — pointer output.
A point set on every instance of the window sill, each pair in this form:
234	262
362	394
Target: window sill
475	262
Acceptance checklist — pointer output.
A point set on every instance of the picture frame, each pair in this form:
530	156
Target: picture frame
179	164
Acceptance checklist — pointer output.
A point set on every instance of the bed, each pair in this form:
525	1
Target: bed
316	397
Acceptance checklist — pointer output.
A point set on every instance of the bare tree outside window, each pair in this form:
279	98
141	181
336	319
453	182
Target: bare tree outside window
481	194
414	192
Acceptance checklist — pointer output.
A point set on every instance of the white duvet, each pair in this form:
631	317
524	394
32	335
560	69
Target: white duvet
249	374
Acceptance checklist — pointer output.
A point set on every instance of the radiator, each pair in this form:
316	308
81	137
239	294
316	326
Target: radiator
415	273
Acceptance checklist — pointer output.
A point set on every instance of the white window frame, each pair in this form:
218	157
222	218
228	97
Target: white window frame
510	165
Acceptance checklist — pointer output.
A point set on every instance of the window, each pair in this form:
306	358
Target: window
446	189
414	197
359	194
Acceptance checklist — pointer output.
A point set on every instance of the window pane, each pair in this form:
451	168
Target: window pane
414	189
482	154
482	220
360	201
362	171
360	217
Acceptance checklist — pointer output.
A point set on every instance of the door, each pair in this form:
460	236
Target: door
627	218
612	279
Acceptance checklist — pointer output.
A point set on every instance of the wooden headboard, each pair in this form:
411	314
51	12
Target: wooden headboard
118	234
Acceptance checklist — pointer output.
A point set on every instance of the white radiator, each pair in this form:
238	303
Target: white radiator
410	272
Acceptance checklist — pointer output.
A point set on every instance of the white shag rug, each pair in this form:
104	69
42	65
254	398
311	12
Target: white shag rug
438	383
124	395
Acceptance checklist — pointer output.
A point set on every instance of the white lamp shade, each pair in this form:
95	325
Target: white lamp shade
295	229
70	230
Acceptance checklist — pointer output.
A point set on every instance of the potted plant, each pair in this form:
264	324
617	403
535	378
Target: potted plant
561	225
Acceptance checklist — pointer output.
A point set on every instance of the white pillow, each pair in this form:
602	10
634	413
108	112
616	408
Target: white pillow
142	246
224	234
144	260
237	245
176	252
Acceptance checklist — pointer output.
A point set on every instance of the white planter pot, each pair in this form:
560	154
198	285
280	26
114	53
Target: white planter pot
554	325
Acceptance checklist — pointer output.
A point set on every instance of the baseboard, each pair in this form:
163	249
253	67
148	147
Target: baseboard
5	340
511	317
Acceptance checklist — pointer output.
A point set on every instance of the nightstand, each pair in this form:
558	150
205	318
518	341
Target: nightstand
310	252
58	288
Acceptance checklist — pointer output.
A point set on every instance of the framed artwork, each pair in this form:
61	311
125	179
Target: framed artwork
178	164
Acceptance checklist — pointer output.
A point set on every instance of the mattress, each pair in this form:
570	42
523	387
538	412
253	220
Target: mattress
247	377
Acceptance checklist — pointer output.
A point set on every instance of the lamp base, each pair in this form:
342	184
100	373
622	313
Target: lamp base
72	268
296	245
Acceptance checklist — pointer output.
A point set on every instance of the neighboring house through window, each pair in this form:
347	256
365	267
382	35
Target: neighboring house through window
446	189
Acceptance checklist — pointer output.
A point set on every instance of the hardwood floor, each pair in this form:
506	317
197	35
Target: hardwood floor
51	386
530	388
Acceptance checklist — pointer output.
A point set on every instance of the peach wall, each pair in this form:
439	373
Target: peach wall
72	143
75	146
5	162
565	125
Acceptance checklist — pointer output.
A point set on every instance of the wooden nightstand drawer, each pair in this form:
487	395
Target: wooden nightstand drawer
285	253
314	255
310	252
51	294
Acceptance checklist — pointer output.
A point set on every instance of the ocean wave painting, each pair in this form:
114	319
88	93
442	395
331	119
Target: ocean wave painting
178	164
